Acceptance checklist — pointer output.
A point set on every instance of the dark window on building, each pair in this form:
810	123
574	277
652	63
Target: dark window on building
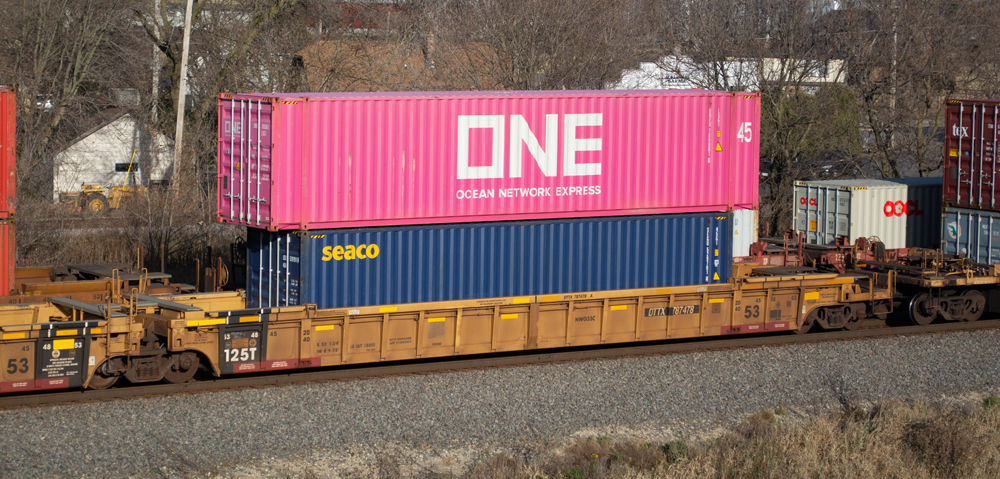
124	167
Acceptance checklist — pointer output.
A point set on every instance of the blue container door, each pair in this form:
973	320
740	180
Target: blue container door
408	264
273	269
973	233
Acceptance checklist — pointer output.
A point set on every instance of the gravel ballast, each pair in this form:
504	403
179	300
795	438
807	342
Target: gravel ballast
514	409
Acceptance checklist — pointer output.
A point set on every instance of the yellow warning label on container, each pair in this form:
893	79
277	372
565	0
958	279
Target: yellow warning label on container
435	320
715	276
718	146
812	225
952	152
813	296
718	133
717	252
249	319
14	336
840	281
326	327
508	316
619	307
66	332
663	291
388	309
206	322
550	298
95	330
63	344
717	300
522	300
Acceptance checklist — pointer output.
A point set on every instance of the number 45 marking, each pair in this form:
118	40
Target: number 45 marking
744	133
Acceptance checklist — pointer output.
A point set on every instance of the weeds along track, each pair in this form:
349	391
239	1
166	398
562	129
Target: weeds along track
871	329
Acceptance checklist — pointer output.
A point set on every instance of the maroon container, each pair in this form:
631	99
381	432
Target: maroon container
970	169
8	149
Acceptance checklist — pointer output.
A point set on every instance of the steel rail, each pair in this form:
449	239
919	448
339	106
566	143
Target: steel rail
512	358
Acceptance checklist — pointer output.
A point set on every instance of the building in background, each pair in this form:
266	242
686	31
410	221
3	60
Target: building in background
117	152
682	72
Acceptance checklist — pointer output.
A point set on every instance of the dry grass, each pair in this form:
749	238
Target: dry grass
58	233
896	440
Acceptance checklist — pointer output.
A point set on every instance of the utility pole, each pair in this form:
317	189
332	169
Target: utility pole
154	153
181	91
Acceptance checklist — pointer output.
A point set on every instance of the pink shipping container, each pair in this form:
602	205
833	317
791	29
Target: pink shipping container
332	160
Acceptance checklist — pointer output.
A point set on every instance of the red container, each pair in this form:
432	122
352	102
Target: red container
333	160
6	254
970	168
8	149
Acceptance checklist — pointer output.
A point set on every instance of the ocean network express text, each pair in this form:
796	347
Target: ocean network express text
528	192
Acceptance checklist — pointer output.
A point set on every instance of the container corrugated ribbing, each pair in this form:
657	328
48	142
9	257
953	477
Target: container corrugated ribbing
901	212
407	264
8	149
972	233
745	226
970	143
7	278
308	161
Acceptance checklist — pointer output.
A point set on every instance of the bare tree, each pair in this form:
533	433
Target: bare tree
780	48
906	58
57	53
558	44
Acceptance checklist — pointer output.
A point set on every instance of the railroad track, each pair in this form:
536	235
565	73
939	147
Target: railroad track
871	329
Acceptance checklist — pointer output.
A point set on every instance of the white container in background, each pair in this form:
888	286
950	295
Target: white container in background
745	223
902	212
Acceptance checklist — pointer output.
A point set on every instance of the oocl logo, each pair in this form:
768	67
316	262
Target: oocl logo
349	252
899	208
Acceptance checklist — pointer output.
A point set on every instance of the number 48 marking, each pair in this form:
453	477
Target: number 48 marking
744	133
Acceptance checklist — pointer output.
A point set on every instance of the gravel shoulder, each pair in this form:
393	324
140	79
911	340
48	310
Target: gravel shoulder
444	421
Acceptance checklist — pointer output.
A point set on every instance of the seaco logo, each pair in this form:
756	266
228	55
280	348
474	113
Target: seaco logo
546	157
349	252
899	208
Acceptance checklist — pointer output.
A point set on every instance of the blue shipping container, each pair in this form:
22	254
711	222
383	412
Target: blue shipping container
410	264
973	233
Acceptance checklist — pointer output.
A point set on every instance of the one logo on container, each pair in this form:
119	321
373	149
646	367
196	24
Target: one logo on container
546	157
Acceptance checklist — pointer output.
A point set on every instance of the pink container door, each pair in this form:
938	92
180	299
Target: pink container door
245	161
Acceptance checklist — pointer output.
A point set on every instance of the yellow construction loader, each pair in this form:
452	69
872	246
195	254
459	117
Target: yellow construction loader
99	198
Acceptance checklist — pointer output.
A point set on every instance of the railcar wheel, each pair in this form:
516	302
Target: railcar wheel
918	310
99	381
854	319
975	305
183	369
809	322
